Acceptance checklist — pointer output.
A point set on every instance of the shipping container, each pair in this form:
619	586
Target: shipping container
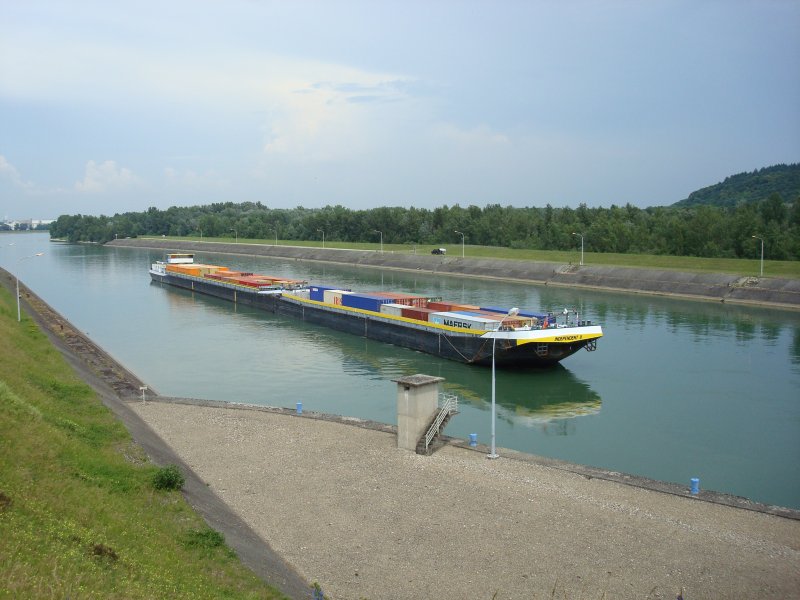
365	301
317	292
393	309
439	306
420	314
407	299
466	322
334	296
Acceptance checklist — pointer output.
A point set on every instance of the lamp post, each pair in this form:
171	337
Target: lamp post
19	312
323	237
376	231
236	234
462	242
581	235
755	237
511	313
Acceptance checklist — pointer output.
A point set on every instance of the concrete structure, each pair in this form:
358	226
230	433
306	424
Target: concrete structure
417	403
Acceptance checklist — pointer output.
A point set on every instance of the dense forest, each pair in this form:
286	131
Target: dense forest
708	231
749	187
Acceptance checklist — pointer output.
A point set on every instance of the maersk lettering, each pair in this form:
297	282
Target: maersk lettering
453	323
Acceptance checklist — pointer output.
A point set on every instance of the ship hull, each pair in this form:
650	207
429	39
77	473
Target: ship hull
437	341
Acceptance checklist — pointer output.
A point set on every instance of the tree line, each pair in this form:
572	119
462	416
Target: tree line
707	231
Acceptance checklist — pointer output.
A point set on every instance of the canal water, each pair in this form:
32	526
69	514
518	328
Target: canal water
676	389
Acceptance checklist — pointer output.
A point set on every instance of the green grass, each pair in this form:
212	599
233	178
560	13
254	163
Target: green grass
79	516
734	266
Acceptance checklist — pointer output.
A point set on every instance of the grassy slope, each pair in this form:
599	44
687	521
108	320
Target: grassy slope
79	517
735	266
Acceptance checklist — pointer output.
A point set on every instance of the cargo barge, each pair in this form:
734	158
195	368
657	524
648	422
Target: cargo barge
460	332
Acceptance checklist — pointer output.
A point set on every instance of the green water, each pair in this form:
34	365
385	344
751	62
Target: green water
675	390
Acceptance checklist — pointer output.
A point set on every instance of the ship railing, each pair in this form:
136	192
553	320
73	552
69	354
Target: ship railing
449	407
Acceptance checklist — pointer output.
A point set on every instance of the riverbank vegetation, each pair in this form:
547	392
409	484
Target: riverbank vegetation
697	231
79	514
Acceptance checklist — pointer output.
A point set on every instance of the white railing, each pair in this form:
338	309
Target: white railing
449	407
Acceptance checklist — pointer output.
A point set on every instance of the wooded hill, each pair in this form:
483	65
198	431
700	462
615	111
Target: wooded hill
749	187
699	229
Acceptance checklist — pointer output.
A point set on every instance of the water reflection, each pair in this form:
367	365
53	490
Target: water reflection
524	398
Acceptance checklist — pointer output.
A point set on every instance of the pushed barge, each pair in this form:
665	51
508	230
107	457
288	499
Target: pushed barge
465	333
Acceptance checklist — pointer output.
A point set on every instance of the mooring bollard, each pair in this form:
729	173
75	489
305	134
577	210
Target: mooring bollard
473	439
695	489
299	408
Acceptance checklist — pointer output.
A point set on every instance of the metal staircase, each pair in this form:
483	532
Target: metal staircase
448	408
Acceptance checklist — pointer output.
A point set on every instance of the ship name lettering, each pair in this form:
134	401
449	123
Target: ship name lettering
452	323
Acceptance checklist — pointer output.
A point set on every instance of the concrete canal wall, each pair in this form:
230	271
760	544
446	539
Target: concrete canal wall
719	287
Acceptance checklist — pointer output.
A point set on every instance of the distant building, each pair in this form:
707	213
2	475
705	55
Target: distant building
23	224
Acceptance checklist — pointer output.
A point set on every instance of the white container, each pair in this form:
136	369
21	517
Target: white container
334	296
465	322
393	309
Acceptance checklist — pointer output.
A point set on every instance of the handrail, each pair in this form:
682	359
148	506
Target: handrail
449	406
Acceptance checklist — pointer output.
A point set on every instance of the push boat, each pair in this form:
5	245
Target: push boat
461	332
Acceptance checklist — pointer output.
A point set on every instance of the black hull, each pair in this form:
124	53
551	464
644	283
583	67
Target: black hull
468	349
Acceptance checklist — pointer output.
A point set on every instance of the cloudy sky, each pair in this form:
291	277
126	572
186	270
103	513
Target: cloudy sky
110	107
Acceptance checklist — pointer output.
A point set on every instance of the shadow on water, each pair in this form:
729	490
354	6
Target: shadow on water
526	397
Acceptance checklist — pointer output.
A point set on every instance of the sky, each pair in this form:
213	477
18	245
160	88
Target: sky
110	107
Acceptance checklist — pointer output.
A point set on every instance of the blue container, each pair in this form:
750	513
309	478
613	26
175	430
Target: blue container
365	301
695	481
317	292
299	408
473	439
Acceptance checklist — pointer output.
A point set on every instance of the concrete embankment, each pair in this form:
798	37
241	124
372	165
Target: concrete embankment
718	287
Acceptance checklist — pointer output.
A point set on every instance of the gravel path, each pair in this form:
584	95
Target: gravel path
349	510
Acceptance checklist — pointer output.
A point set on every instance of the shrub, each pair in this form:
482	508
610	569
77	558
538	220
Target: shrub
168	478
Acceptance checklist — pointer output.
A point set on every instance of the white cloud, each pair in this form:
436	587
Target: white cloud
9	172
105	176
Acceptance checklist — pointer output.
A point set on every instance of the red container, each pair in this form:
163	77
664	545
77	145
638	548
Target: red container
421	314
440	306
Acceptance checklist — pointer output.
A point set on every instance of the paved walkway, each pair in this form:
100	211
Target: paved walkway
349	510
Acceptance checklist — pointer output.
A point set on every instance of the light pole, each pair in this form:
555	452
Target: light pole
511	313
323	237
19	313
755	237
462	242
236	234
376	231
580	234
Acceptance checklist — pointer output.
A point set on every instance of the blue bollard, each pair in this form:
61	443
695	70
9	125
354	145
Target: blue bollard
473	439
695	489
299	408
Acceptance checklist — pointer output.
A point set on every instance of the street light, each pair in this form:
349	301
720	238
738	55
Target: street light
235	233
755	237
376	231
580	234
462	242
323	238
511	313
19	313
